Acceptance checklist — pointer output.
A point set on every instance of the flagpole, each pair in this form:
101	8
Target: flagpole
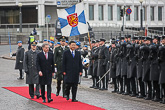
89	41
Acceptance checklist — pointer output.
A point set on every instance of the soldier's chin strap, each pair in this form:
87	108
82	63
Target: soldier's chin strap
104	75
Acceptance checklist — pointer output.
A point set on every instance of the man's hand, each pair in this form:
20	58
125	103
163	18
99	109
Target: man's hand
64	73
40	73
80	73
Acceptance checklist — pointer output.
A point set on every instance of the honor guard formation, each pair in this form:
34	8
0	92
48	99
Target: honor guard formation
134	65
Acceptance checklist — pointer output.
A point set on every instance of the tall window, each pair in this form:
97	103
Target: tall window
144	14
110	13
136	13
152	13
118	13
101	12
91	12
127	16
160	13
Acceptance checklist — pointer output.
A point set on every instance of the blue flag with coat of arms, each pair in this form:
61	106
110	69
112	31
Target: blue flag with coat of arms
72	20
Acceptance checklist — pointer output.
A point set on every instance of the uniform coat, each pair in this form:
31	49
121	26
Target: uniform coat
139	62
46	66
118	60
72	66
102	60
58	53
95	64
123	53
91	59
30	66
113	63
19	57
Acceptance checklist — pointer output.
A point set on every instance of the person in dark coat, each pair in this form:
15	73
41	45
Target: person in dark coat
113	67
102	62
32	76
72	68
45	67
161	59
58	54
19	59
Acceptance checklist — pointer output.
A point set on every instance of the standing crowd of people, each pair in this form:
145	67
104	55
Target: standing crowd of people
135	65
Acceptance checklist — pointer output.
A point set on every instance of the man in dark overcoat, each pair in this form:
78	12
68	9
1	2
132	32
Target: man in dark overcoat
32	76
72	68
19	59
45	67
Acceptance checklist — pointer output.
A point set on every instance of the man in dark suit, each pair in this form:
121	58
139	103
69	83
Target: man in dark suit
72	68
45	67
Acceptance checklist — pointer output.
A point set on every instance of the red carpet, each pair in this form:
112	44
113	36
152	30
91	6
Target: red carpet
59	102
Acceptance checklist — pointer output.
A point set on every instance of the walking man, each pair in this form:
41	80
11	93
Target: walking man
72	68
45	67
32	76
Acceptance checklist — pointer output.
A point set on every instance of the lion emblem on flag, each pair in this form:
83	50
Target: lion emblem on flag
73	20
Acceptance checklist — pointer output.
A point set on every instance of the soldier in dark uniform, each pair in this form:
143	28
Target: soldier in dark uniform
154	69
19	59
91	60
113	66
146	67
138	55
161	59
102	61
95	64
32	76
58	55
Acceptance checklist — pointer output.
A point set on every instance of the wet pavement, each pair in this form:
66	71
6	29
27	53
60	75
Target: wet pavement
103	99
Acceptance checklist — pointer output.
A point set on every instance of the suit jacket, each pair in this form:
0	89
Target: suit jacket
72	66
46	66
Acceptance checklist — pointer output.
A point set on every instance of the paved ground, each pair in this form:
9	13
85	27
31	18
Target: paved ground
104	99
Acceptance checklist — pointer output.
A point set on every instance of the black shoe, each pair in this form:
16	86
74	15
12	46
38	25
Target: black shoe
126	93
114	91
57	94
96	87
120	92
156	99
38	96
147	98
32	97
20	78
91	87
74	100
50	100
67	97
102	89
44	101
140	96
133	95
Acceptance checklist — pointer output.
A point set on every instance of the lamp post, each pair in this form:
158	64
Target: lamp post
141	14
20	17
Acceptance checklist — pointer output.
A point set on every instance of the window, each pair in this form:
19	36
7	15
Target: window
91	12
118	13
144	14
101	12
136	13
159	13
152	13
127	16
110	13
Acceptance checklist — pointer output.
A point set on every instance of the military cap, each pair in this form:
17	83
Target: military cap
52	42
66	41
34	43
63	39
58	43
85	46
45	40
113	42
19	42
128	36
122	37
93	41
102	39
97	40
156	37
147	38
48	40
78	44
163	37
135	38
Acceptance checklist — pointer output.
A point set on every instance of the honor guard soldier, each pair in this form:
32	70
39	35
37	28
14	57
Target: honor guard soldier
161	59
32	76
58	55
102	61
113	66
19	59
91	61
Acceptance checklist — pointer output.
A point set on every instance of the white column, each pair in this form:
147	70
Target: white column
132	15
115	13
96	12
156	14
87	11
41	13
148	15
106	12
